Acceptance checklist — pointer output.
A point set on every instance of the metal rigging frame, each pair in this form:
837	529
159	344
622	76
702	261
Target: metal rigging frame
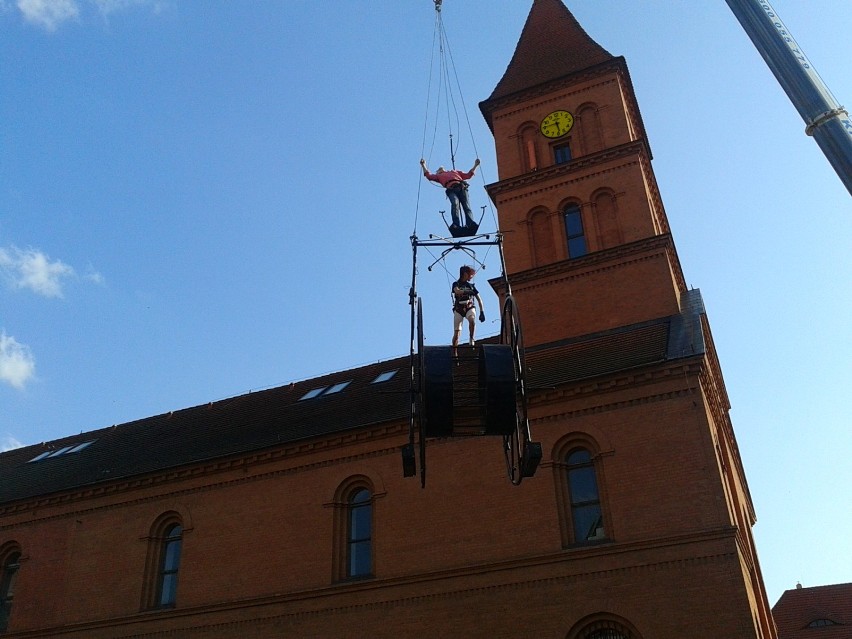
501	381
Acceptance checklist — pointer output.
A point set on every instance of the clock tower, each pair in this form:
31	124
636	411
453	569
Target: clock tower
626	391
586	232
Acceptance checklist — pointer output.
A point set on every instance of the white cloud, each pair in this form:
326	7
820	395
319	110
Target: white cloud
94	277
51	14
7	443
34	270
48	14
111	6
17	364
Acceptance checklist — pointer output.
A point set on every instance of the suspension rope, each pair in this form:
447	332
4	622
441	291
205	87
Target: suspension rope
448	63
447	87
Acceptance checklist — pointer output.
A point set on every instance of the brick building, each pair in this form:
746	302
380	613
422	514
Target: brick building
286	513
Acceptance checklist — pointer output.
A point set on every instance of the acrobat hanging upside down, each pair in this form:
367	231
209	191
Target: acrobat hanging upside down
456	189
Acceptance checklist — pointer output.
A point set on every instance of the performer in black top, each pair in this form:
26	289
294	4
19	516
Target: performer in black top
464	294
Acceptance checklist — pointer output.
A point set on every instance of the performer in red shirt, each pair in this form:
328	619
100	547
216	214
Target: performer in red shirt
456	189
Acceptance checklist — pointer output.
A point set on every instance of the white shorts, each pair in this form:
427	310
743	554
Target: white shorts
457	317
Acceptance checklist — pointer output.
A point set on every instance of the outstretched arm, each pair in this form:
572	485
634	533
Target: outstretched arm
475	164
423	166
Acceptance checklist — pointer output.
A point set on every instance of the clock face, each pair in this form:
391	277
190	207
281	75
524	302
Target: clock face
557	124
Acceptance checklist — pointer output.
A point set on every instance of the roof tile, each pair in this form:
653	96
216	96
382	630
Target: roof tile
801	606
552	45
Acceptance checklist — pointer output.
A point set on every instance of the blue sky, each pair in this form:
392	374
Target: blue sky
203	198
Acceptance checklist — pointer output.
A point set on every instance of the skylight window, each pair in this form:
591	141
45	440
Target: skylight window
65	450
325	390
383	377
312	393
337	387
61	451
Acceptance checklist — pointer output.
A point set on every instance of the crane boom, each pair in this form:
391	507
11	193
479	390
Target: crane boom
825	119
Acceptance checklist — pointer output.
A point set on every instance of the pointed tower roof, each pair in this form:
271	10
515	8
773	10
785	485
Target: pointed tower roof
552	45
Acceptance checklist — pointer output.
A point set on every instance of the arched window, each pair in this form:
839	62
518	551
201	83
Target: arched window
169	564
541	233
606	630
604	626
360	536
528	137
583	496
354	528
606	217
587	122
580	473
165	546
574	232
10	565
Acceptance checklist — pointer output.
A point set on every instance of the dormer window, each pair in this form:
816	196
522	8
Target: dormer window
822	623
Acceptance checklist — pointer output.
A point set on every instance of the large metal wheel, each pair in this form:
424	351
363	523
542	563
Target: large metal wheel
416	423
522	454
409	460
421	394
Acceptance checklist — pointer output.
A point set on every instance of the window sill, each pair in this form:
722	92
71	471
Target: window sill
355	579
588	543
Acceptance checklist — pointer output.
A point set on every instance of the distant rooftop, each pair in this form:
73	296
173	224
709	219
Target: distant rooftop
819	612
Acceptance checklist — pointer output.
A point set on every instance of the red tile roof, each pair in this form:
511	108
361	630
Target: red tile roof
829	608
552	45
